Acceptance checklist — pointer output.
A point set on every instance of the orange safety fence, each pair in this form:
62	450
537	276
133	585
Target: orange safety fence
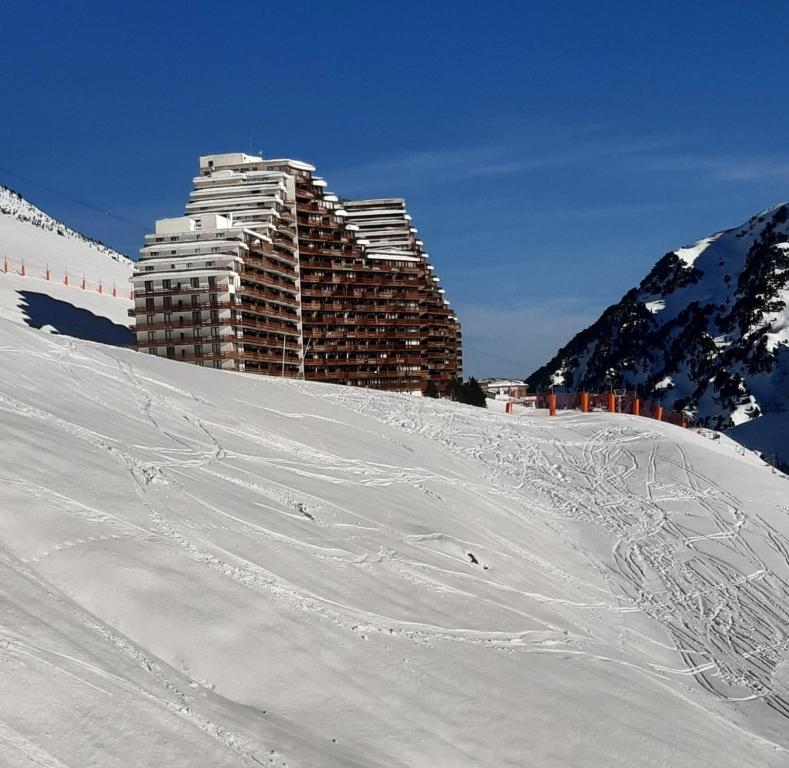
622	401
20	269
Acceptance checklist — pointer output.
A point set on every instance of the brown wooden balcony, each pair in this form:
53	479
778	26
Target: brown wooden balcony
261	293
182	291
247	307
270	326
273	358
201	307
254	278
185	326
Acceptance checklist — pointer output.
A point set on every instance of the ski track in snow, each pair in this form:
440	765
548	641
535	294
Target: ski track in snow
735	618
684	549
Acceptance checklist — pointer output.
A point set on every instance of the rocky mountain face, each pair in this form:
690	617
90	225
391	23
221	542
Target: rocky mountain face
707	330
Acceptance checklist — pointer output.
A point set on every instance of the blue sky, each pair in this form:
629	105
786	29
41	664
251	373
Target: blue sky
549	153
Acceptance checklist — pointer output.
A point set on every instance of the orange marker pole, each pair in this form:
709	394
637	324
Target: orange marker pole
84	283
659	413
508	408
636	407
584	402
24	271
65	279
131	294
114	292
101	289
47	273
552	404
611	403
5	264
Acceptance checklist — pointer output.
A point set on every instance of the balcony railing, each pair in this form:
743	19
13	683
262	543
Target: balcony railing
266	311
200	307
275	296
181	291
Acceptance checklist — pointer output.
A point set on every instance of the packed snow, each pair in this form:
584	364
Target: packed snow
204	568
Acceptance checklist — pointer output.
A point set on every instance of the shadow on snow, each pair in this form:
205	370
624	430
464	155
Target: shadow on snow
42	310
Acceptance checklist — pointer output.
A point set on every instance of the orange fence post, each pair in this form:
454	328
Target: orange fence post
636	407
659	413
508	408
584	402
23	272
46	275
84	283
101	289
114	292
552	404
5	263
611	402
65	279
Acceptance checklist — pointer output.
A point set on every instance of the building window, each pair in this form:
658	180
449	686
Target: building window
195	282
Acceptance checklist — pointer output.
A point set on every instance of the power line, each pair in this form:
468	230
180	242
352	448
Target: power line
78	201
491	354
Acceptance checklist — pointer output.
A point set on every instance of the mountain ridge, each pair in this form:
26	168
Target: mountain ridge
706	331
14	205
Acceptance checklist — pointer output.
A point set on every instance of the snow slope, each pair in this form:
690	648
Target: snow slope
200	568
31	237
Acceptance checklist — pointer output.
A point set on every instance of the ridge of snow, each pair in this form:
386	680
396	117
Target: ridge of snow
13	205
690	253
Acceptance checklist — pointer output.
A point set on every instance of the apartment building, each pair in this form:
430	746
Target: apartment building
292	281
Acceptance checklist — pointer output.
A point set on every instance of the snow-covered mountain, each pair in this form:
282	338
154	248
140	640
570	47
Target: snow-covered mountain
31	237
707	330
15	208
